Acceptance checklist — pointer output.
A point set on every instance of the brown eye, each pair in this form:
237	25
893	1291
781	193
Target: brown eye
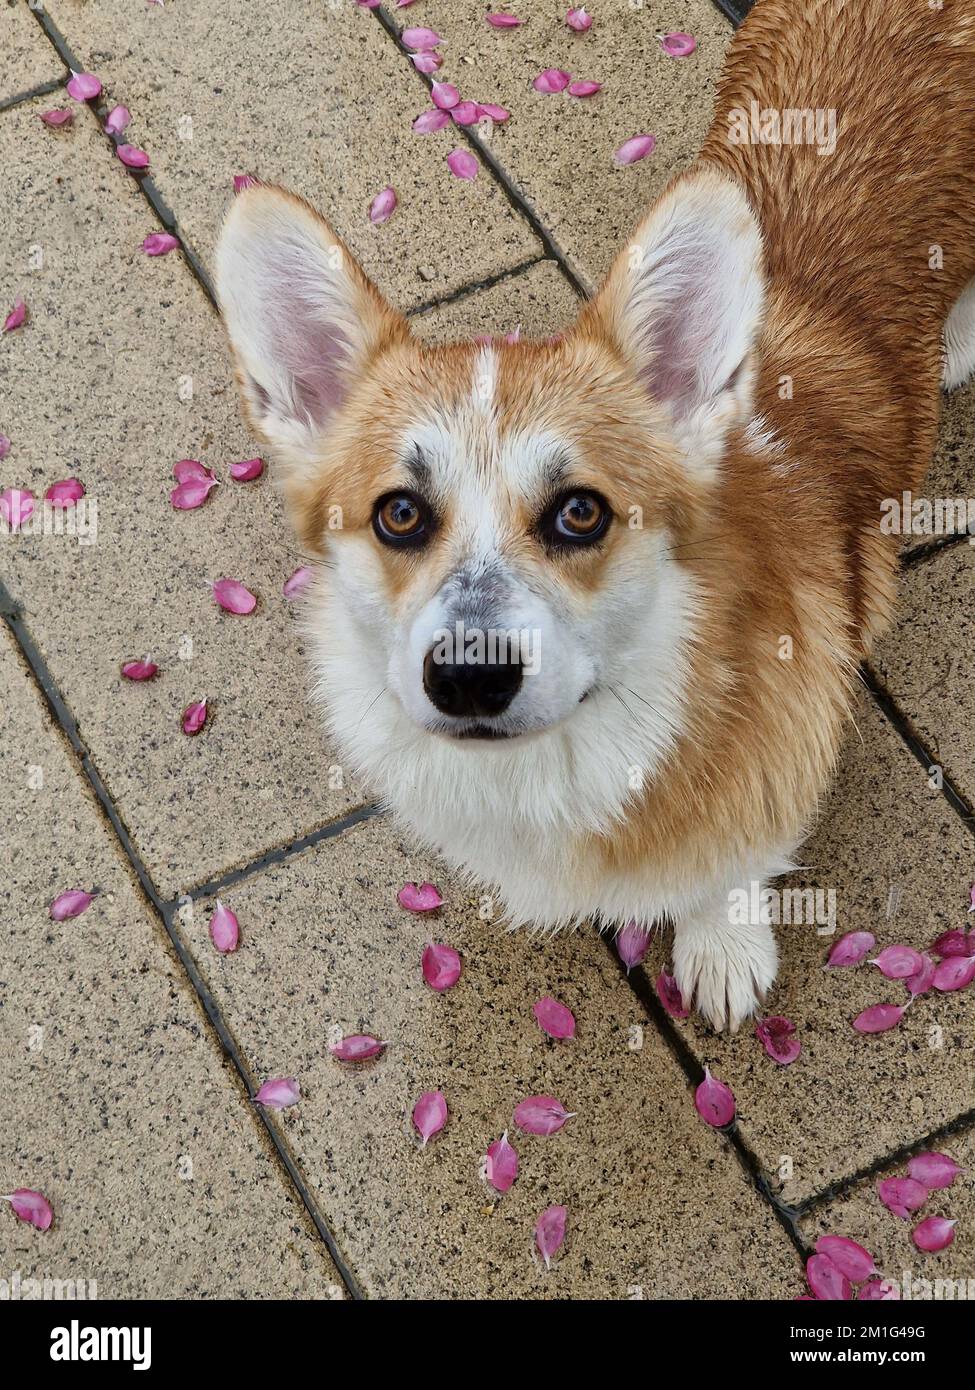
401	519
577	518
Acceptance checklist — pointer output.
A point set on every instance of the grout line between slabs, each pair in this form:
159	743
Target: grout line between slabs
66	723
43	89
474	286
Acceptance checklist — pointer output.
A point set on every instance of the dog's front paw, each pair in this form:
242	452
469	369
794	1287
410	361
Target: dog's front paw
724	971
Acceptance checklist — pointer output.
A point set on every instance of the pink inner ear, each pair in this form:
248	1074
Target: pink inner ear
681	332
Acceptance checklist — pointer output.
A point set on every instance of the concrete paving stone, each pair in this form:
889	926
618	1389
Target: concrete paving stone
887	843
91	387
558	150
309	93
540	301
27	57
118	1105
926	663
952	473
918	1275
658	1205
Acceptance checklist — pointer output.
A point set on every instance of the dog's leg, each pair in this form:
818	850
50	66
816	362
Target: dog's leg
722	964
960	339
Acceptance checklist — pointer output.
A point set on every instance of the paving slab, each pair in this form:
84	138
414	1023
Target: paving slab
558	150
925	660
120	371
311	94
118	1105
658	1205
886	844
27	58
942	1275
539	301
952	473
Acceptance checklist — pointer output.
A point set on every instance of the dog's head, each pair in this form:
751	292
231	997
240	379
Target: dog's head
500	523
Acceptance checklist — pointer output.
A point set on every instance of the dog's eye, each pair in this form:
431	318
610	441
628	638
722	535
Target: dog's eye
577	518
401	519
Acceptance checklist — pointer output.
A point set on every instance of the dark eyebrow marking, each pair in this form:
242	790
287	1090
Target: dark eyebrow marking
557	470
418	470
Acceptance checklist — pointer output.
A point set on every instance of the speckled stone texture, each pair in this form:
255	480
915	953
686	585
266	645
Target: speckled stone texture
26	57
886	843
117	1103
952	473
659	1206
310	94
539	301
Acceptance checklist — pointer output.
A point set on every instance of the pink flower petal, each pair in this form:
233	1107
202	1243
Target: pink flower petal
851	949
551	80
71	903
678	45
231	595
554	1018
898	962
247	470
923	980
849	1258
65	493
278	1093
541	1115
901	1195
132	157
825	1280
637	147
194	717
579	20
631	944
430	1114
358	1047
879	1291
501	19
187	469
444	96
294	583
462	164
714	1101
776	1036
954	972
465	113
879	1018
57	117
117	119
242	181
382	206
550	1232
422	899
83	86
670	996
501	1164
224	929
16	506
16	316
30	1206
429	121
954	943
186	497
495	112
934	1233
139	670
420	39
4	445
441	966
934	1170
584	89
160	244
427	62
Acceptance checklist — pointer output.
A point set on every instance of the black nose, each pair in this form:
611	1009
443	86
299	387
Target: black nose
472	688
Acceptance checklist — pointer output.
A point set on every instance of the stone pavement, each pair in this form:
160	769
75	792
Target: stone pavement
129	1047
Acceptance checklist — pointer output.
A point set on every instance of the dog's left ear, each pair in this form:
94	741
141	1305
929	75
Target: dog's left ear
303	319
683	305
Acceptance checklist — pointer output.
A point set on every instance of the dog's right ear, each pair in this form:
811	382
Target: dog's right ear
303	319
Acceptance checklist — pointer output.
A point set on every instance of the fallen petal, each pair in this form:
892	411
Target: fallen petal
670	996
851	949
429	121
924	979
194	717
552	80
83	86
294	583
16	506
382	206
901	1195
934	1233
541	1115
849	1258
501	1164
422	899
441	966
934	1170
30	1206
358	1047
584	89
132	157
776	1036
550	1232
465	113
242	181
579	20
231	595
117	119
879	1018
490	108
462	164
430	1114
954	972
678	45
139	670
427	62
631	944
160	244
898	962
554	1018
4	445
502	20
72	903
825	1280
954	943
279	1093
186	469
186	497
421	39
714	1101
444	96
16	316
247	470
637	147
65	493
224	928
879	1291
57	117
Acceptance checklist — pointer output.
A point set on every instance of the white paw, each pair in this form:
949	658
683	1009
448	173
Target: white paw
724	971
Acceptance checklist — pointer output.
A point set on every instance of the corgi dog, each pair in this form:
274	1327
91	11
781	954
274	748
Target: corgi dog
588	612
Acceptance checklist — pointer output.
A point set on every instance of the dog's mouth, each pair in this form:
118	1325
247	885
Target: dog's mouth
481	731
